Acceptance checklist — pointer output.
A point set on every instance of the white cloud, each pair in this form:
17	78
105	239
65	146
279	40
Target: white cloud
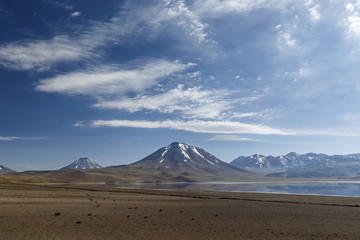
229	137
191	102
40	55
353	24
13	138
228	128
246	115
140	22
8	138
313	9
59	4
79	124
209	7
314	12
286	38
302	73
350	7
76	14
110	81
215	8
199	126
185	18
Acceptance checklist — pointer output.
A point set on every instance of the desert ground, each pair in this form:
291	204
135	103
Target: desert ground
93	212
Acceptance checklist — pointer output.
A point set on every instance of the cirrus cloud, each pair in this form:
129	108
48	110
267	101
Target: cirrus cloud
108	80
199	126
13	138
191	102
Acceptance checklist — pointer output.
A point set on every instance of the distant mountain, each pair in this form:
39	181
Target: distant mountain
82	163
293	160
181	162
302	165
5	170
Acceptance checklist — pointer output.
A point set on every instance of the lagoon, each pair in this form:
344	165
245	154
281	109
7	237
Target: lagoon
326	188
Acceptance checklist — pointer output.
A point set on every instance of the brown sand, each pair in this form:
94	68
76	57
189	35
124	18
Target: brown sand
44	212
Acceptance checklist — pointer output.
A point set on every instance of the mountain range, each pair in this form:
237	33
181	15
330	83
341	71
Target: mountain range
179	162
293	165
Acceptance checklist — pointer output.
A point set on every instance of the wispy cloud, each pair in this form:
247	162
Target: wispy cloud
199	126
8	138
230	128
108	80
13	138
76	14
313	10
188	20
60	4
230	137
82	44
286	38
41	55
192	102
219	7
353	20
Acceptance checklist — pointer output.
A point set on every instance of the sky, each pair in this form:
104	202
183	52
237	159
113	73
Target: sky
116	80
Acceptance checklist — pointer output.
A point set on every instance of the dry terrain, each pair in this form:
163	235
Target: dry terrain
90	212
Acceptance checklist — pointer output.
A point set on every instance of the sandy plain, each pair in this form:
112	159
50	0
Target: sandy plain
84	212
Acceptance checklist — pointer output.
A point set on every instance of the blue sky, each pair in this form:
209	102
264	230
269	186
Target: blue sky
116	80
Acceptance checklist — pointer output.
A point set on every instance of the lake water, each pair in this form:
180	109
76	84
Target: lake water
328	188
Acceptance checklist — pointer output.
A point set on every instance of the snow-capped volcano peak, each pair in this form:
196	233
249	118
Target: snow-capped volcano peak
82	163
182	163
185	153
179	155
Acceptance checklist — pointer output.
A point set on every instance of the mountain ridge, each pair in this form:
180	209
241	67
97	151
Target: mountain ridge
293	159
309	165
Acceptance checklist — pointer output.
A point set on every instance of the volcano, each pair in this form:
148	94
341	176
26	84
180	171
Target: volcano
82	163
181	162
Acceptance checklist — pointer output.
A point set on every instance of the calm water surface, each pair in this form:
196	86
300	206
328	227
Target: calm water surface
329	188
